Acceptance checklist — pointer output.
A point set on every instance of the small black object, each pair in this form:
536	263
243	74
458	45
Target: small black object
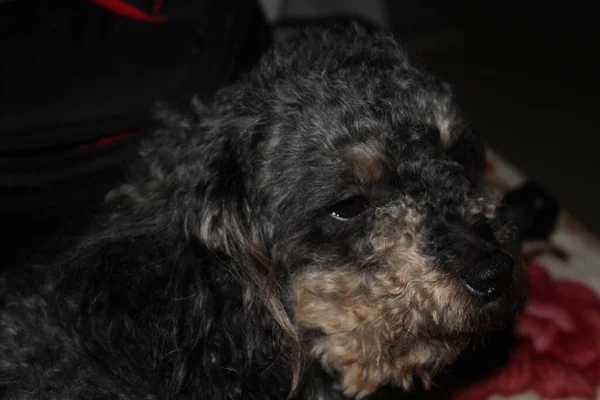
533	210
78	82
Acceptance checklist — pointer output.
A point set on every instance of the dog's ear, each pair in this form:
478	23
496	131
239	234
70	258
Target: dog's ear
229	224
224	220
194	174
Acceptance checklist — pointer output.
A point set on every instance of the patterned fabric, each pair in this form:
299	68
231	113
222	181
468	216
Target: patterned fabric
557	352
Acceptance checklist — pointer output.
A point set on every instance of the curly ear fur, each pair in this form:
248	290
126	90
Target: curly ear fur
189	236
228	223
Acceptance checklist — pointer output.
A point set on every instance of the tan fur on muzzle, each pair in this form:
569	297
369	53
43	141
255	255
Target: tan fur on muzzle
380	317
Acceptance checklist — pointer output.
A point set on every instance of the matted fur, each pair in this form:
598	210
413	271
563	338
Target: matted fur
220	271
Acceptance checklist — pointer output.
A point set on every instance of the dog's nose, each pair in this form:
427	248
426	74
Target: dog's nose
490	278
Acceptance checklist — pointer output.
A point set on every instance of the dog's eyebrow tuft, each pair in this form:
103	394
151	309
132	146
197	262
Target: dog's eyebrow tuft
444	118
444	127
366	162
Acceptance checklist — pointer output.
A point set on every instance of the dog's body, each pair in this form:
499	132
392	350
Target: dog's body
326	213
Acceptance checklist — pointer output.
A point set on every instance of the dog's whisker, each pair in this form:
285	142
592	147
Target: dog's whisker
181	298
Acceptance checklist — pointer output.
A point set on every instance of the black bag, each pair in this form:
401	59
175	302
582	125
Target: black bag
78	80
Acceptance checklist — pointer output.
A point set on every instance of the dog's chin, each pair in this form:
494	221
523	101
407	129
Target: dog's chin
397	328
480	320
400	364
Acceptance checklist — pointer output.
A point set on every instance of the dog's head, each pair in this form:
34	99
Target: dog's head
363	186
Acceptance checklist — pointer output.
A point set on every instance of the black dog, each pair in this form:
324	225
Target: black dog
325	216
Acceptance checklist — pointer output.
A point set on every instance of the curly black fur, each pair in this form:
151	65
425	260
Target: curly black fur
183	289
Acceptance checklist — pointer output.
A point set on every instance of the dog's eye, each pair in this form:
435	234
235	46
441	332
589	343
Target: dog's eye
349	208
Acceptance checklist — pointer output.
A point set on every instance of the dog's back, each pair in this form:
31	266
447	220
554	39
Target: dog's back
133	311
45	346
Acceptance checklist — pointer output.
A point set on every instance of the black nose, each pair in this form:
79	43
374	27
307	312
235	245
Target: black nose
491	277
